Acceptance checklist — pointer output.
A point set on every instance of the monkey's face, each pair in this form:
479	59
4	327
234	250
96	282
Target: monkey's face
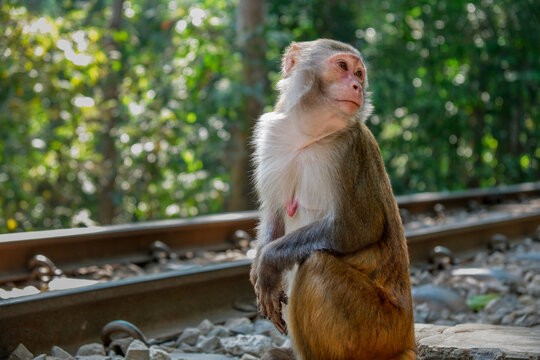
325	78
344	76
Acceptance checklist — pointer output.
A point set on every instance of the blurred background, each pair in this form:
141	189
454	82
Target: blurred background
117	111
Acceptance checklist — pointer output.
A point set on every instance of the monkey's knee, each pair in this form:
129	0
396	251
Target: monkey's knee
279	354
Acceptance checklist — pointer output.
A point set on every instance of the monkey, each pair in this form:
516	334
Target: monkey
331	268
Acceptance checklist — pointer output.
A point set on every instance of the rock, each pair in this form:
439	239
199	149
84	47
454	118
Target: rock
120	346
180	356
438	298
248	357
189	336
486	274
93	357
91	349
479	341
278	339
60	353
421	312
137	350
205	326
239	325
208	344
219	331
47	357
287	344
156	353
424	277
526	320
481	258
21	353
497	258
430	353
426	330
264	327
187	348
500	305
527	300
251	344
508	319
534	286
533	257
494	287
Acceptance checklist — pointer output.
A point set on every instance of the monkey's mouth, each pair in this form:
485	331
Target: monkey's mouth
349	101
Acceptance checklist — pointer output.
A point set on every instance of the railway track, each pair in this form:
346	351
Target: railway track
162	304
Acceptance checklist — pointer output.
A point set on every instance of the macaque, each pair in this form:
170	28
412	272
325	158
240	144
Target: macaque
331	268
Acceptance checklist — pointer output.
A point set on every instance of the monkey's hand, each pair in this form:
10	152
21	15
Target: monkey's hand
270	295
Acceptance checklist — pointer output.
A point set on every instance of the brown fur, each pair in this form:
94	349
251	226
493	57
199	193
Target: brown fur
351	296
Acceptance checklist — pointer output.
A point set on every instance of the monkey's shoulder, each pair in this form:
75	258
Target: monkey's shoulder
360	135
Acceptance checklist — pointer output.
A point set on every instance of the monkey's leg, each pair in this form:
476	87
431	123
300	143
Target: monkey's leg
406	355
337	312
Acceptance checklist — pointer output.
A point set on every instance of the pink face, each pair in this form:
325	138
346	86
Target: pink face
346	75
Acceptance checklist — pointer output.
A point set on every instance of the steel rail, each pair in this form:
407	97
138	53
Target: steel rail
426	201
164	303
73	248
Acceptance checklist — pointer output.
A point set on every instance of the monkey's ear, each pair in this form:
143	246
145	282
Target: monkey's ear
289	59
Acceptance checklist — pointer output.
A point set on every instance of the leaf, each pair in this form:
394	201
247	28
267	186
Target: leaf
479	302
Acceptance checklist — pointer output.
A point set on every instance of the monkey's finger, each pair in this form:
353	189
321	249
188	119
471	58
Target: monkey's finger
261	300
276	299
279	323
266	305
276	302
283	297
283	327
270	305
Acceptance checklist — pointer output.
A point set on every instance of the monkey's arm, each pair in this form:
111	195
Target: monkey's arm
348	232
270	228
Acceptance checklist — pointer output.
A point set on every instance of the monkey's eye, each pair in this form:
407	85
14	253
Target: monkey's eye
343	65
358	74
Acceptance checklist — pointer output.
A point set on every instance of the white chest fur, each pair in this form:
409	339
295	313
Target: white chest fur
288	171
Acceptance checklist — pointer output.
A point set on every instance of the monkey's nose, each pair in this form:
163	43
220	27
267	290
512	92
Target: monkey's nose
356	87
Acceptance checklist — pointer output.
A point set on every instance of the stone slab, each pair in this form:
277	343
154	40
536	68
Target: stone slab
478	341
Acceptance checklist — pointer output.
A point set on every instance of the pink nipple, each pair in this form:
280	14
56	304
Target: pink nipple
291	207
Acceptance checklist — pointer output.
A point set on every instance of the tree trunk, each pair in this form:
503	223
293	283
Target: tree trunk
252	45
110	114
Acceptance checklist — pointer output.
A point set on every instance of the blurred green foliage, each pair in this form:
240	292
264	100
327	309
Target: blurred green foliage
455	85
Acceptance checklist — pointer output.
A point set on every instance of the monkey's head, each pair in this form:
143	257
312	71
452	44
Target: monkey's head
324	73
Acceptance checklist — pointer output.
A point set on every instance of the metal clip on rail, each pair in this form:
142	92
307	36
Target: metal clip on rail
43	269
162	252
441	257
115	334
242	239
499	242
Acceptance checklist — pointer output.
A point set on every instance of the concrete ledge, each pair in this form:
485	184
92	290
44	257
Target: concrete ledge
477	342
